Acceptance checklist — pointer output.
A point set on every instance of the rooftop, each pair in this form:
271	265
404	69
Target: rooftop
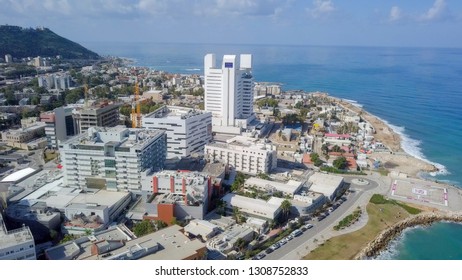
290	186
119	136
174	112
19	175
16	236
252	206
325	183
242	142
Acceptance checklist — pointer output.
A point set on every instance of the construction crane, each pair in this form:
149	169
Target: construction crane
136	114
85	90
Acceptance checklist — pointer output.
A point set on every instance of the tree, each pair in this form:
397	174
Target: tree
221	204
325	148
142	228
340	163
74	95
236	214
285	208
67	238
263	176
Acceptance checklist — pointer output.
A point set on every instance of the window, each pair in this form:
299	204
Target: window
109	163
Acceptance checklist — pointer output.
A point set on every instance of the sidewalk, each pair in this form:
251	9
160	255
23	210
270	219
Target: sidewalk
319	238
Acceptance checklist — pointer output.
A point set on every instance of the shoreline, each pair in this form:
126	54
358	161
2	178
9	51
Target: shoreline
382	241
398	159
402	162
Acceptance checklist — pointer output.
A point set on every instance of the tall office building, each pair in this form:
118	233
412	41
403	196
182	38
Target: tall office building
229	92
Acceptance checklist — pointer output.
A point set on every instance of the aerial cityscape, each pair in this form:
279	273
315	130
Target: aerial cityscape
218	152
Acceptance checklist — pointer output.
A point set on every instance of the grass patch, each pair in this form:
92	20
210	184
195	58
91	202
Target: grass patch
331	169
349	220
380	199
49	156
383	171
345	247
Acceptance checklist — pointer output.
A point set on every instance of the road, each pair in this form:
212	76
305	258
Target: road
300	246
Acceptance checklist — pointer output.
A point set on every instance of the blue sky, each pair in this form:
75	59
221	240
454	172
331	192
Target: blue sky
421	23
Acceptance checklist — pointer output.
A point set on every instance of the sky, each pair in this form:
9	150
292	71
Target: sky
410	23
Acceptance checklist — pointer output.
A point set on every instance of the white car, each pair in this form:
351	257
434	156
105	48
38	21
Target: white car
296	233
307	226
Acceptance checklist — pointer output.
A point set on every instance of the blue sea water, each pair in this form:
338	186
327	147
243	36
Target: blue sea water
418	91
440	241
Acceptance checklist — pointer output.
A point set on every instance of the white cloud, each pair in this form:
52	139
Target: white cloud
395	14
321	8
240	7
435	12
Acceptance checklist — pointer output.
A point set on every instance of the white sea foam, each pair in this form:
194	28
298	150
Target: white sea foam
412	147
193	69
392	249
354	103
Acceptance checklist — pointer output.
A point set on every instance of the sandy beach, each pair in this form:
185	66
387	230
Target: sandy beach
397	160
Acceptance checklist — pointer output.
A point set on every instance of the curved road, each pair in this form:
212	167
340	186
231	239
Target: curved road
300	246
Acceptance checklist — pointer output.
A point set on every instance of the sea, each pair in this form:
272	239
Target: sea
416	91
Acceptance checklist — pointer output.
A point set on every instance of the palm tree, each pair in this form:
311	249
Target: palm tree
285	207
236	214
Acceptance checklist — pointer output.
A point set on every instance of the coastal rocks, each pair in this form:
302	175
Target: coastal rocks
382	240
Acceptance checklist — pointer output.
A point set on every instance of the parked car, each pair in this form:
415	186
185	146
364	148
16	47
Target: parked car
275	246
259	256
321	217
307	226
296	233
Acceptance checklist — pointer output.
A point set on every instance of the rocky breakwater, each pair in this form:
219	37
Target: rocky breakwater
381	242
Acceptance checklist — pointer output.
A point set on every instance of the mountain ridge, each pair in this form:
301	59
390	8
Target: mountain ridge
22	42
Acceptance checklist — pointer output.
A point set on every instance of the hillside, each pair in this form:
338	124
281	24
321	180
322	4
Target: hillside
29	42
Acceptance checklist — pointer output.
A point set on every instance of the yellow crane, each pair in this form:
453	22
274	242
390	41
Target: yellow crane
136	114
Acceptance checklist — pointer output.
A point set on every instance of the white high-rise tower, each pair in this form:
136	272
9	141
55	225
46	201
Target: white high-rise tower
229	92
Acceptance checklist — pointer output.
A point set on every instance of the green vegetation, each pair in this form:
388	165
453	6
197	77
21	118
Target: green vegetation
142	228
331	169
344	247
285	207
349	220
315	159
238	181
24	42
340	163
380	199
264	176
348	127
267	102
67	238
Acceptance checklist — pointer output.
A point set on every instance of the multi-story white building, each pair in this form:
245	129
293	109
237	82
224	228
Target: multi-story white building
60	125
112	157
59	81
248	155
188	130
17	244
187	191
229	92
